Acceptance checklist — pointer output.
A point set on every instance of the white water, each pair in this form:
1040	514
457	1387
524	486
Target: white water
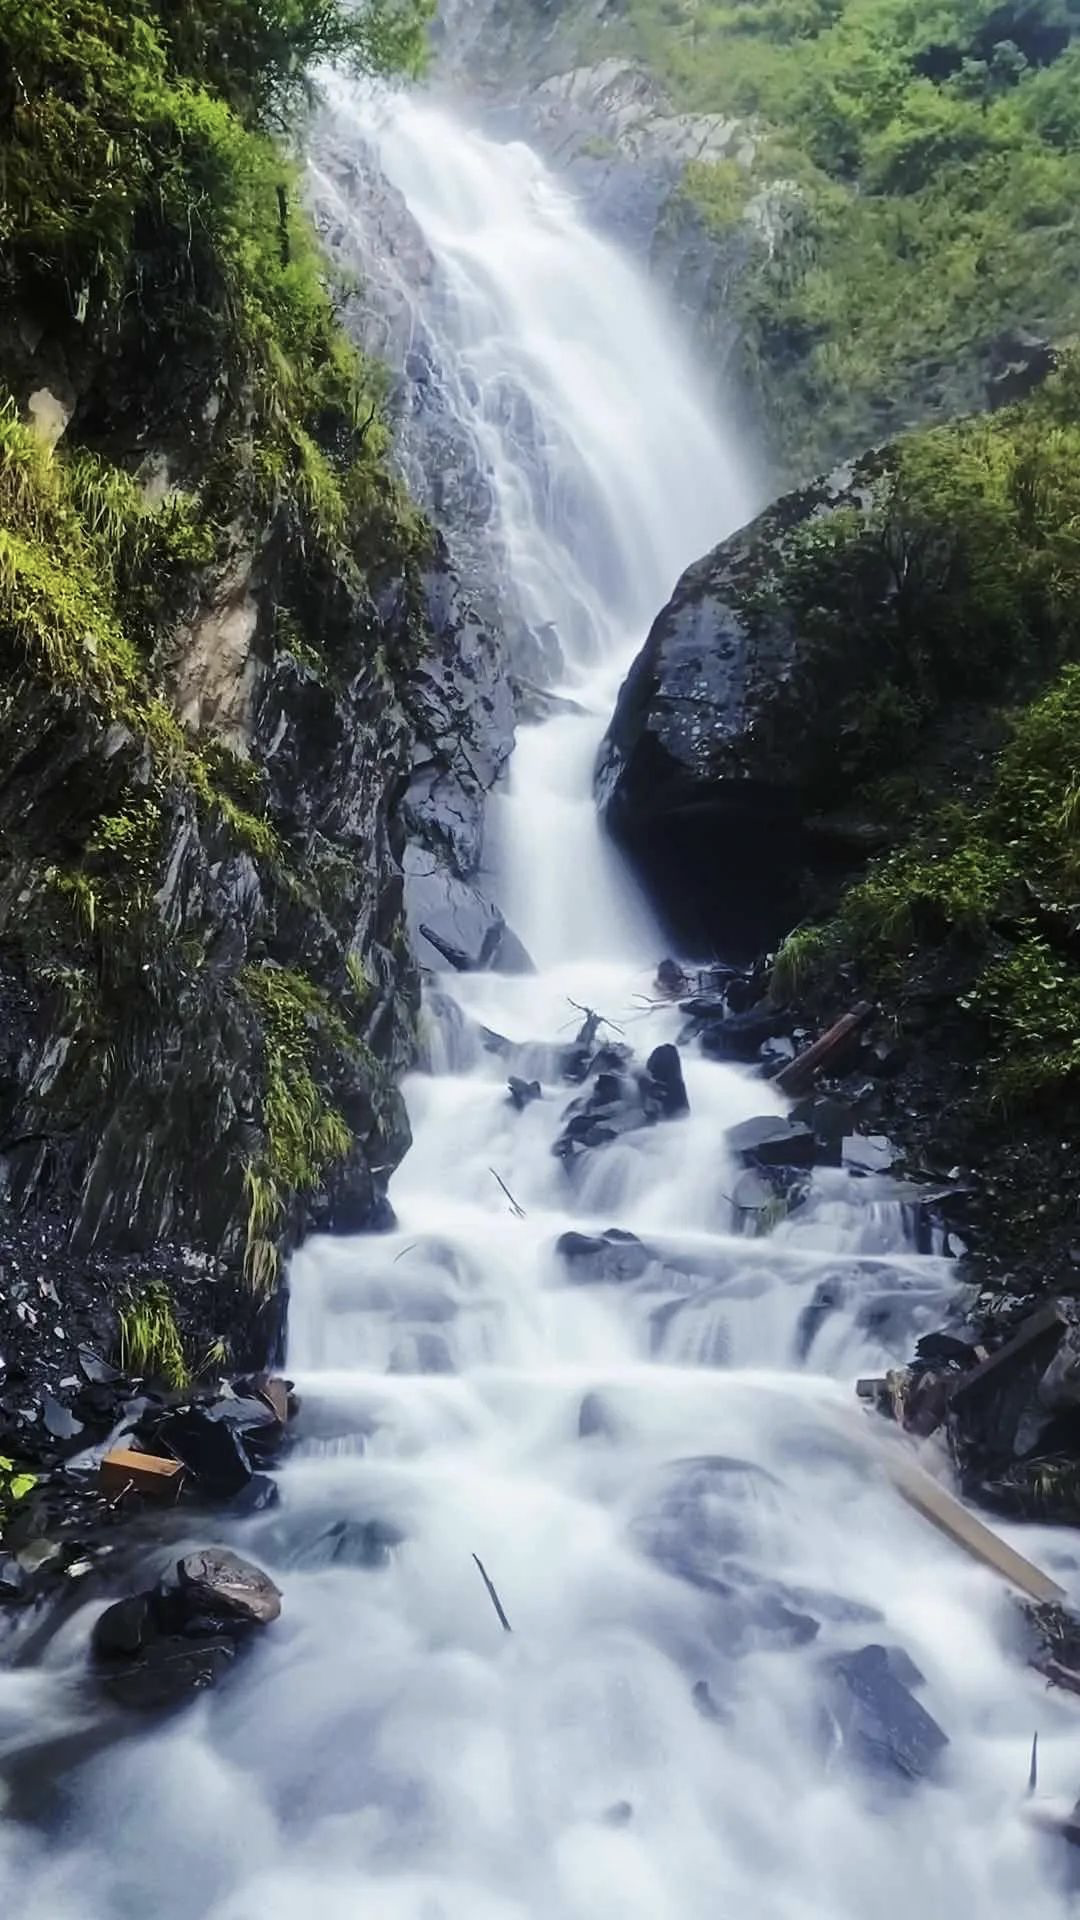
388	1753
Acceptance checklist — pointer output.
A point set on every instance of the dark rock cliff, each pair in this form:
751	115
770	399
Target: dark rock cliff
242	675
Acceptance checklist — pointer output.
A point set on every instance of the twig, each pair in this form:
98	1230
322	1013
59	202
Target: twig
1033	1776
409	1249
591	1014
514	1208
495	1601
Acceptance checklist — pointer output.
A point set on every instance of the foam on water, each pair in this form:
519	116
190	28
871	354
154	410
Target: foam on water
643	1468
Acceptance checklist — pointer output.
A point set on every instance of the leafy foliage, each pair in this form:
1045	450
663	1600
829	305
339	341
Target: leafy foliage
929	155
150	1343
153	243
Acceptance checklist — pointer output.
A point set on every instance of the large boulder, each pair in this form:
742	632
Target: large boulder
726	749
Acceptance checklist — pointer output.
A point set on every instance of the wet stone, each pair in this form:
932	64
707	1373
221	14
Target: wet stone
611	1256
665	1070
772	1140
522	1092
868	1153
210	1448
875	1717
16	1584
167	1672
217	1586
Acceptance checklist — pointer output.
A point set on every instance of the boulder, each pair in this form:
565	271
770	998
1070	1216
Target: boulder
154	1649
785	673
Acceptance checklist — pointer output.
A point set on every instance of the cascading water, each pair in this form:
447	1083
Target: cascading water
664	1477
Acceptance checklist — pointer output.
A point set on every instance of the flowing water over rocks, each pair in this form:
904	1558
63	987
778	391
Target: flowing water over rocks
709	1663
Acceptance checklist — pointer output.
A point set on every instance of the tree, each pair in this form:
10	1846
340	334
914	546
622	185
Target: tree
259	54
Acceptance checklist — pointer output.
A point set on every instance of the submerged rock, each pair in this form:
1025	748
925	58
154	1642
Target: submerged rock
611	1256
875	1717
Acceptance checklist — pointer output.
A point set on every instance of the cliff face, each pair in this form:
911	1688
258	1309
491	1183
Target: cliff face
222	620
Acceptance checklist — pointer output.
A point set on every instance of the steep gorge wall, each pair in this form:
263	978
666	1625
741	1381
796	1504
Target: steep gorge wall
239	664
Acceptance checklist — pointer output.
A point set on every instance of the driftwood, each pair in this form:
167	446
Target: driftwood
515	1209
493	1596
797	1075
936	1504
124	1471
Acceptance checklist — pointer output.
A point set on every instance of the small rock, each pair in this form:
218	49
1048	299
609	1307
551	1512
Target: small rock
15	1582
167	1671
868	1153
97	1369
772	1140
38	1553
877	1718
613	1255
739	1035
216	1587
594	1418
670	979
125	1627
61	1423
665	1069
523	1091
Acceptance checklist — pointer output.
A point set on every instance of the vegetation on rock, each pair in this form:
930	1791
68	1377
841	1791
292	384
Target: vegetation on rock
188	439
979	789
914	194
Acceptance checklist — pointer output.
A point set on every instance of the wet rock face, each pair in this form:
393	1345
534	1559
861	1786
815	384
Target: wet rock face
155	1649
874	1716
723	753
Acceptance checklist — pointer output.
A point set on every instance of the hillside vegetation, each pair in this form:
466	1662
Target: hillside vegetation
928	160
190	449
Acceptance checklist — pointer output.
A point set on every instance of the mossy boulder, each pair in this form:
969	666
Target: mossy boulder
850	646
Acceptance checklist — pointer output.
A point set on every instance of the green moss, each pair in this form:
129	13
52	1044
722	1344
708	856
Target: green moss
720	190
305	1134
153	239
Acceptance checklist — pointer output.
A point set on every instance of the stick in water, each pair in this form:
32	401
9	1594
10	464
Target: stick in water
495	1601
1033	1776
519	1211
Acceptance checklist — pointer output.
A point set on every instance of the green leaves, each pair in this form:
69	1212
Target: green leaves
15	1484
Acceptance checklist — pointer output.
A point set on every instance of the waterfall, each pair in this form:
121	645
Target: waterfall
664	1475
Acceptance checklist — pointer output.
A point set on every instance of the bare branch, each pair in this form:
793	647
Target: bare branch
495	1601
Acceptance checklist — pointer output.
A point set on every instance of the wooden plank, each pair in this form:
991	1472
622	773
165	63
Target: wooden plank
940	1507
797	1075
148	1473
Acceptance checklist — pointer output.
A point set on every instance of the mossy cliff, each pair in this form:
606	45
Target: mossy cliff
862	715
213	594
